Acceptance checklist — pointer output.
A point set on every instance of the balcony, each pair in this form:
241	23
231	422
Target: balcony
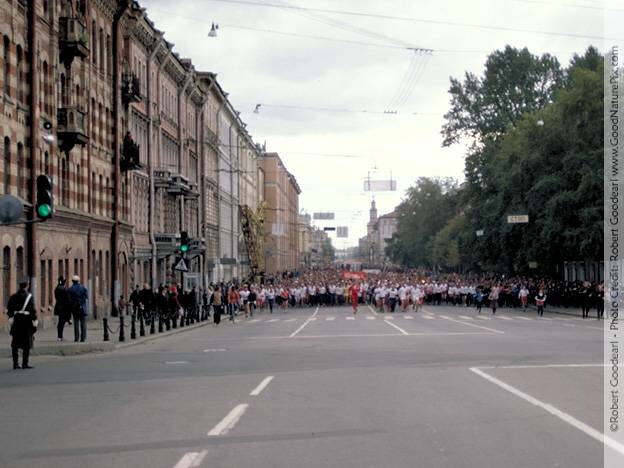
174	183
71	128
130	88
73	40
130	153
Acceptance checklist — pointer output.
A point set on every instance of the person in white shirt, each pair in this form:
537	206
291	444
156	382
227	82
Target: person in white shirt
523	294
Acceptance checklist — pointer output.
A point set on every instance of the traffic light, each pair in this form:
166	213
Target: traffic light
185	242
45	201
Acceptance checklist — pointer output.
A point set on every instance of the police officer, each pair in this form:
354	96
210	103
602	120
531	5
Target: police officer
23	320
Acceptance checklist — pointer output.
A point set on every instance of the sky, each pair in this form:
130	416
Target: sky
288	75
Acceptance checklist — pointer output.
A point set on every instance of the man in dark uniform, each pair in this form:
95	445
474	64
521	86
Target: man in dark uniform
23	320
146	300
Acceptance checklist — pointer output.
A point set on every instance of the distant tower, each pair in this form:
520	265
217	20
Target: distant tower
372	220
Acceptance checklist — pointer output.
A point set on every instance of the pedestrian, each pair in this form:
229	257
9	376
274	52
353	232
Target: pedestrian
493	297
146	303
217	305
23	322
78	295
135	300
251	300
355	289
62	307
523	294
479	299
122	305
540	300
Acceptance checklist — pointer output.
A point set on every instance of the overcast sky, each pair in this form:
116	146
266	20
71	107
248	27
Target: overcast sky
282	70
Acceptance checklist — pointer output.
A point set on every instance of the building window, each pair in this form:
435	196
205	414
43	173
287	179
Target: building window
102	56
45	90
7	66
6	275
21	171
94	48
20	74
99	273
7	164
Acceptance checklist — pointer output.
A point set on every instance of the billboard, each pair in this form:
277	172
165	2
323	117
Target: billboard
354	275
342	231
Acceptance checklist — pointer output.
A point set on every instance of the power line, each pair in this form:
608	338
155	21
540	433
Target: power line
415	20
349	111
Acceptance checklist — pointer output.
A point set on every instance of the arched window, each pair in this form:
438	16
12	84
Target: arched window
19	262
94	48
6	169
20	73
6	275
45	89
21	171
101	124
102	56
101	200
6	69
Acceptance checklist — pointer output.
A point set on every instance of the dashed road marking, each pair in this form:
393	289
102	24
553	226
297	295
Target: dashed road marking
272	320
484	318
229	421
176	362
191	459
329	319
371	318
409	317
261	386
214	350
465	317
398	328
350	318
293	334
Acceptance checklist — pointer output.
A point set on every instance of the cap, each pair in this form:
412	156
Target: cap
76	278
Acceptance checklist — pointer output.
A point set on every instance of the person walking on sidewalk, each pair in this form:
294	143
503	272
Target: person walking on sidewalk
23	322
135	300
78	296
217	305
62	307
493	297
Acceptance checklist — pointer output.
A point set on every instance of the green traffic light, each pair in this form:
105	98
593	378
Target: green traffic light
44	211
184	248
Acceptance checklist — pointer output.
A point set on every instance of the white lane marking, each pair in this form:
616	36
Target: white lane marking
329	319
290	320
398	328
371	309
484	318
475	326
293	334
545	366
465	317
176	362
261	386
369	335
523	318
445	316
253	320
581	426
214	350
389	317
350	318
504	317
191	459
371	318
272	320
429	317
229	421
409	317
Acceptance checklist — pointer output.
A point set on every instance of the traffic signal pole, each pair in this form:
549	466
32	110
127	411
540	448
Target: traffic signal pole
33	121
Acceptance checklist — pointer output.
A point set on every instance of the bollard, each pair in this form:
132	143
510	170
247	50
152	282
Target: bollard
160	323
105	325
141	325
182	318
174	321
153	325
122	336
167	323
133	327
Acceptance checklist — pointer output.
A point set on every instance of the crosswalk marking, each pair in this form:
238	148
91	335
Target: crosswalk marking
371	318
389	317
409	317
253	320
484	318
290	320
429	317
311	319
504	317
329	319
524	318
272	320
350	318
465	317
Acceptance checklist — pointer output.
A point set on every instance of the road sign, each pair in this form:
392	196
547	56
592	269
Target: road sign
324	215
517	219
180	266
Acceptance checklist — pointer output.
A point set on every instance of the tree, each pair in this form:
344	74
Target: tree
514	82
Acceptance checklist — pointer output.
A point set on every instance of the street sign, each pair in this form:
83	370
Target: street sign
342	231
479	232
11	209
329	229
517	219
180	266
533	265
324	215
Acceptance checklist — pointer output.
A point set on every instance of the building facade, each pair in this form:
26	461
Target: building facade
281	194
139	146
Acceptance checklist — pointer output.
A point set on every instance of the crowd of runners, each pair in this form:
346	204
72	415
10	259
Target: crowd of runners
390	292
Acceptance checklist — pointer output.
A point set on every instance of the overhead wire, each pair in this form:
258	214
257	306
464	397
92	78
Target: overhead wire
418	20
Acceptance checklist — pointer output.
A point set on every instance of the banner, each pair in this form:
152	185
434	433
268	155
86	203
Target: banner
324	215
354	275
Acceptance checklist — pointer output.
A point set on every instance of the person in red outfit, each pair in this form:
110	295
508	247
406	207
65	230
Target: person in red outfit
354	291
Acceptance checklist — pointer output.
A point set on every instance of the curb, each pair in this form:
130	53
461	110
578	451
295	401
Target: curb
75	349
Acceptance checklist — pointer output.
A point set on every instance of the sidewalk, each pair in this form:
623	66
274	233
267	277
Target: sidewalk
47	344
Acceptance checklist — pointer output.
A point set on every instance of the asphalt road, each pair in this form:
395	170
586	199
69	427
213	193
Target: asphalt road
320	388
